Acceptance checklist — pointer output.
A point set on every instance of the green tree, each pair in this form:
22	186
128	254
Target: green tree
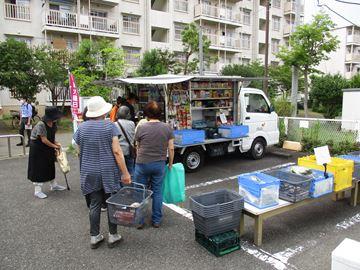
156	62
53	70
18	69
355	81
308	46
326	94
190	42
96	60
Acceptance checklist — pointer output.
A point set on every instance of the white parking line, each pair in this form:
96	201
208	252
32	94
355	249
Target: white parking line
349	222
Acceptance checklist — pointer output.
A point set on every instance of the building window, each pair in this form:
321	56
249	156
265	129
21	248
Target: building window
275	43
132	56
181	5
276	3
276	23
131	24
246	16
245	41
178	28
245	61
27	40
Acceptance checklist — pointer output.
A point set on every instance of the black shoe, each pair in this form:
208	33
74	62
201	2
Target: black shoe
19	144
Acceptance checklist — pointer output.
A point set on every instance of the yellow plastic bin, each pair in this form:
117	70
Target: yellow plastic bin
341	168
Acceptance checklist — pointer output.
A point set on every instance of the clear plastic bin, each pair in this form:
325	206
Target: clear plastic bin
259	190
320	185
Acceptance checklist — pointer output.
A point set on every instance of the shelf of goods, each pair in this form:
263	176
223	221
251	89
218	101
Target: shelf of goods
211	108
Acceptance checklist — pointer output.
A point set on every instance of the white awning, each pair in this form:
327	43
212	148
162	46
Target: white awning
160	79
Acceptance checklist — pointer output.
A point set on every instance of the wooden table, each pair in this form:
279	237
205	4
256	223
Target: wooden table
259	215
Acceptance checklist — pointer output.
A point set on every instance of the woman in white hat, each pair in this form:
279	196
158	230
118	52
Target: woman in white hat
101	160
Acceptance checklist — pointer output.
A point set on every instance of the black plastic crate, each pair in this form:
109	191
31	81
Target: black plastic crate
216	203
293	187
219	224
220	244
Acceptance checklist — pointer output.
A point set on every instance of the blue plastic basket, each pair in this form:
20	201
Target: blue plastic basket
189	136
356	159
320	185
233	132
252	189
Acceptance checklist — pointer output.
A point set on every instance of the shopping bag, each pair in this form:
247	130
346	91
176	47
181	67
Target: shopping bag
174	184
63	161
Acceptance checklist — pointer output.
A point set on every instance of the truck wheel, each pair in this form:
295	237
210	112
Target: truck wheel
193	159
258	149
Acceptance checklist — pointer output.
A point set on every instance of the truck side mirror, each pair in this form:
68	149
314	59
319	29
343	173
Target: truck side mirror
272	109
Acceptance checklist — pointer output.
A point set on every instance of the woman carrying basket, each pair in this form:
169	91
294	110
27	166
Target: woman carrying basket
100	160
42	157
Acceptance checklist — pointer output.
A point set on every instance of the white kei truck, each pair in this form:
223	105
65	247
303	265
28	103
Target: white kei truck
207	103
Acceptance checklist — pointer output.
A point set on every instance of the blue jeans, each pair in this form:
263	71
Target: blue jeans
152	174
130	164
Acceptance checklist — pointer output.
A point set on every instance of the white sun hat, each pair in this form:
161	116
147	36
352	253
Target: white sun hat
97	106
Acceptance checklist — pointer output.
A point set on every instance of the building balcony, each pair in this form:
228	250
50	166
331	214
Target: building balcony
83	24
213	13
107	2
353	39
352	57
288	29
17	12
224	43
290	8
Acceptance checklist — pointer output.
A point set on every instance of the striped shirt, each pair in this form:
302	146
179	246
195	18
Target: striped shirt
98	168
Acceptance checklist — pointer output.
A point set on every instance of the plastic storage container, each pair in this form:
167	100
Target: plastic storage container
129	206
260	190
233	131
189	136
220	244
293	187
319	184
216	212
356	159
346	256
341	169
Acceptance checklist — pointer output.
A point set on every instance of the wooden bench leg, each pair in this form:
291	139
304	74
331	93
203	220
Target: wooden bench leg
258	230
242	224
354	195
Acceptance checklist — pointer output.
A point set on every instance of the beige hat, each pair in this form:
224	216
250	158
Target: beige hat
97	106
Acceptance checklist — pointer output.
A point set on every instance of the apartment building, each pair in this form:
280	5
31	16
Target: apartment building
346	59
235	28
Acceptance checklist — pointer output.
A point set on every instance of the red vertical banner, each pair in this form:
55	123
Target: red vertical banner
75	101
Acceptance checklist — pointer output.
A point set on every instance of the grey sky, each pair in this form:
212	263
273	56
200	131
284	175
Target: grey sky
351	12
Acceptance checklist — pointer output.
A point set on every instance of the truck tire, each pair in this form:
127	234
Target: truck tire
258	149
193	159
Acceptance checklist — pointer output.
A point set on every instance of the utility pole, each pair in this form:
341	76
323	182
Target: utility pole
294	69
201	52
267	30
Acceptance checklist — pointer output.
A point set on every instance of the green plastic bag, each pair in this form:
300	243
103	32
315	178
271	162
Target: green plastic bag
174	184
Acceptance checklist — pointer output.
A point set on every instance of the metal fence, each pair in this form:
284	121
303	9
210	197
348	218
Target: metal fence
323	130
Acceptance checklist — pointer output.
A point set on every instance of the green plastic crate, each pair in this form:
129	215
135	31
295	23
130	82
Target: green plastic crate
220	244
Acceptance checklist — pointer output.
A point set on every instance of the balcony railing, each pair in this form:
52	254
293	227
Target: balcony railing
217	13
288	29
181	5
224	42
17	12
352	57
71	20
291	8
353	38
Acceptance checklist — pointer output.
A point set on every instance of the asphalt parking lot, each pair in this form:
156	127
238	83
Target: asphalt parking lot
53	233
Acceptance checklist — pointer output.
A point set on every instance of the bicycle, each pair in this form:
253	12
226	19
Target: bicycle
15	122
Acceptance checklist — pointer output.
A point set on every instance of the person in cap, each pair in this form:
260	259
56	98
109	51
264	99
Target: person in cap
42	155
126	139
115	108
101	160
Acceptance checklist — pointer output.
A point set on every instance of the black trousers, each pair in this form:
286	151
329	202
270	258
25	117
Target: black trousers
24	121
96	200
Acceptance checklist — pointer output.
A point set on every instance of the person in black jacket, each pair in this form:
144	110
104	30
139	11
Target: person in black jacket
130	102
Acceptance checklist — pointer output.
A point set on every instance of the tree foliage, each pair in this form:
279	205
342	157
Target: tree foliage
19	69
52	70
308	46
326	94
190	42
96	60
156	62
355	81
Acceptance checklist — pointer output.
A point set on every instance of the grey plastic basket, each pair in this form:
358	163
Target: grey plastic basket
293	187
355	153
216	203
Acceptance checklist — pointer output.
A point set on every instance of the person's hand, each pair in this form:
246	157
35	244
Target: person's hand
58	145
170	166
126	179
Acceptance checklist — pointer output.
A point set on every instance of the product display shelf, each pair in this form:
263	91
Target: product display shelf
215	98
210	108
212	88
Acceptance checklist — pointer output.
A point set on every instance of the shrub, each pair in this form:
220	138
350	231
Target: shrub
283	107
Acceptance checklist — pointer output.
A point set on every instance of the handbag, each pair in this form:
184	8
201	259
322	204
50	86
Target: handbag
174	184
63	161
132	149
